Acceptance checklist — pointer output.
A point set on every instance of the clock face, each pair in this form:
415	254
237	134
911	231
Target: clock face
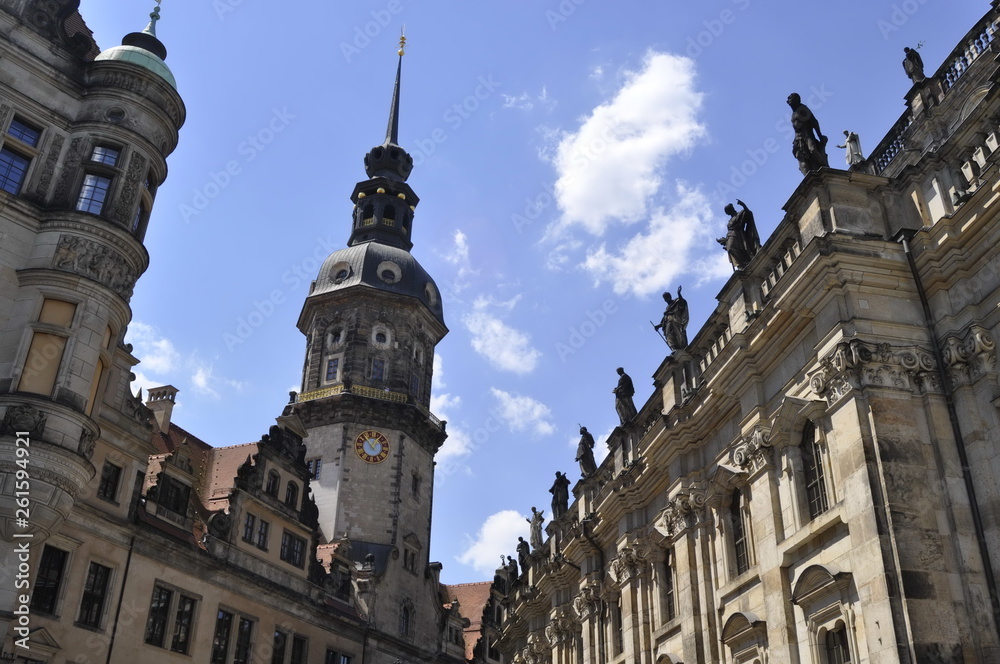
372	446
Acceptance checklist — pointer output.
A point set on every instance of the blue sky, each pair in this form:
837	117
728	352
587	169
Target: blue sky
573	161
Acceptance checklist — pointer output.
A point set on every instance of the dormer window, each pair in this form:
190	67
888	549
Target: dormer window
273	480
292	494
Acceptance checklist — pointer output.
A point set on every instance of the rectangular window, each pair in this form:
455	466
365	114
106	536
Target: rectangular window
669	598
93	194
95	385
293	549
104	154
314	465
111	476
220	640
172	499
740	544
244	642
378	369
249	528
299	647
182	624
13	168
45	591
263	530
42	366
415	386
24	132
159	613
278	650
332	369
140	212
332	657
815	477
57	312
95	591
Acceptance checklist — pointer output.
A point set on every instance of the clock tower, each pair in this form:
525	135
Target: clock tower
372	320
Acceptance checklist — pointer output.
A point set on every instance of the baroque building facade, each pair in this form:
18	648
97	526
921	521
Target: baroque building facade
814	478
140	542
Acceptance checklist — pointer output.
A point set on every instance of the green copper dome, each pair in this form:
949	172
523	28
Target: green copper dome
141	57
143	49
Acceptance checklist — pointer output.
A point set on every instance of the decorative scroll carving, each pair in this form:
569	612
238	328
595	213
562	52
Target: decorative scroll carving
856	364
86	445
970	357
49	168
536	652
588	602
22	417
753	451
4	111
630	563
563	626
684	511
136	409
70	167
95	261
130	189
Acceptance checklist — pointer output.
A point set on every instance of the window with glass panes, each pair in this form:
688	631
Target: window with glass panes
813	467
740	544
292	549
111	476
24	132
48	579
13	168
299	647
669	598
183	620
244	641
159	614
95	591
837	651
220	638
278	647
105	154
263	530
249	527
93	193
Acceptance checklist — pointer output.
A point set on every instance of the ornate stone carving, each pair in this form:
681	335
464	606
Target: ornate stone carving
95	261
4	111
588	602
70	167
630	563
753	451
219	525
684	510
86	445
21	418
129	190
856	364
969	357
563	626
48	169
136	409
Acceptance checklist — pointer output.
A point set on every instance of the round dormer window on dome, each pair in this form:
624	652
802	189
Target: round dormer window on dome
340	271
389	272
381	337
431	293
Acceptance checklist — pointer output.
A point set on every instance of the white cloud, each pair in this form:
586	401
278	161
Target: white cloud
522	413
438	369
205	382
459	443
527	101
651	261
156	354
610	167
505	347
160	363
497	536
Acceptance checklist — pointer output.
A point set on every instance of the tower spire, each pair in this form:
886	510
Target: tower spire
392	130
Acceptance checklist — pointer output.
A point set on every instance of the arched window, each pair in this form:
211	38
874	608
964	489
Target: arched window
273	480
389	216
741	547
837	650
814	471
292	494
368	215
406	620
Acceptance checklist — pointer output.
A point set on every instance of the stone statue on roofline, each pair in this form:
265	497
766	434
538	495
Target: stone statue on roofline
585	453
853	146
809	144
536	528
913	65
560	495
623	397
742	241
523	551
675	320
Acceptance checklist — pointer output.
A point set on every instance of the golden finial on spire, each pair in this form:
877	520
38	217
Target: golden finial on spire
402	41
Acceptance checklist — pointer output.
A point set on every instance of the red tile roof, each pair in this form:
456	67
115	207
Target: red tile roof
73	24
472	599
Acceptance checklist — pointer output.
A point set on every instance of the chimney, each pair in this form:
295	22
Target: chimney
161	402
